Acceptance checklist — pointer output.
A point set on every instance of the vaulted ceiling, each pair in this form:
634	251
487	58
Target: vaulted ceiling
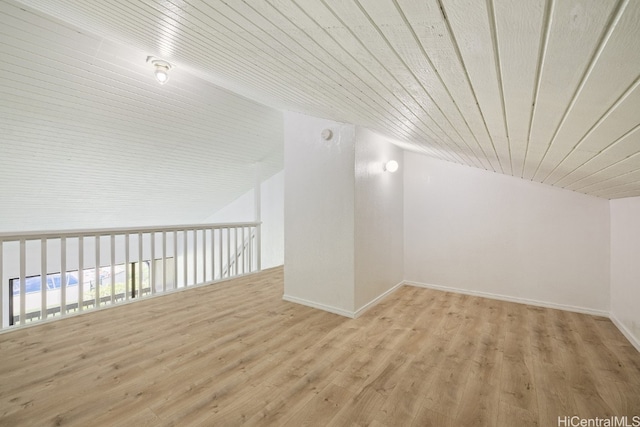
90	140
545	90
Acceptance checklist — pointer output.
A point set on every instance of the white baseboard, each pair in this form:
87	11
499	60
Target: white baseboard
635	341
500	297
329	308
340	311
377	299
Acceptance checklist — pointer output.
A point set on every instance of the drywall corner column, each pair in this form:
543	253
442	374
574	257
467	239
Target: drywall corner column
257	218
625	267
272	216
379	219
319	213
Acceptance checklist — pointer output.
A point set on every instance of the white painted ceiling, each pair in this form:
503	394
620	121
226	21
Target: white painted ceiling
546	90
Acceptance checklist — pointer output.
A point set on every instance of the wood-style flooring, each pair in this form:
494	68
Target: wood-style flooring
235	353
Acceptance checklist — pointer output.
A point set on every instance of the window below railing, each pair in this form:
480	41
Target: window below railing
124	282
53	274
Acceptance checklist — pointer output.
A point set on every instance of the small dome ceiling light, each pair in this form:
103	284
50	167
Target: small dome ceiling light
391	166
161	69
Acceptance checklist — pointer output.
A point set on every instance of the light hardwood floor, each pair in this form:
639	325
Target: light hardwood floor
235	353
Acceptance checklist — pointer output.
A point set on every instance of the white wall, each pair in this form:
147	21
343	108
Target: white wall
487	233
241	209
319	213
272	215
625	267
379	220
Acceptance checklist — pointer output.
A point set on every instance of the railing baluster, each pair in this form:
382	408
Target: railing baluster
250	246
204	255
63	276
228	252
185	250
127	261
80	273
139	289
164	261
195	256
235	250
97	272
152	266
242	249
234	247
10	294
112	269
258	248
43	278
248	250
23	269
213	254
220	252
175	259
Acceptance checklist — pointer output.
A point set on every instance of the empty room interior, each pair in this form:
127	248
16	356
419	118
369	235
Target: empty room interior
320	212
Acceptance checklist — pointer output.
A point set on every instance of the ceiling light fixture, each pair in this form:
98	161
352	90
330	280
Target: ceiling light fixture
161	69
391	166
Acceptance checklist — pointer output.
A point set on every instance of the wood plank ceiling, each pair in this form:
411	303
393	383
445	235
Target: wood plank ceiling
90	140
545	90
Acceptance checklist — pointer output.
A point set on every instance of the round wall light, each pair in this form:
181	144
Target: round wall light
391	166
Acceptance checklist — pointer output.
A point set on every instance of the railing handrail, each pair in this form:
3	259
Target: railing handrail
53	234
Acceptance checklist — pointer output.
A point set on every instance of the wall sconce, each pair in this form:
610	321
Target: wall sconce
161	69
391	166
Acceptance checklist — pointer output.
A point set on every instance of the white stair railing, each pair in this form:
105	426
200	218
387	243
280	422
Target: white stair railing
57	273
